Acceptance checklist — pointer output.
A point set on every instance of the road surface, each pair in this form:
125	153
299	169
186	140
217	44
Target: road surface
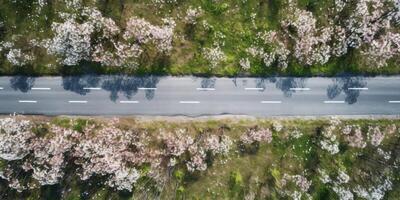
192	96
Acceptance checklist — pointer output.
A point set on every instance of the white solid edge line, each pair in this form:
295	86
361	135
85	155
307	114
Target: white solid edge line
35	88
205	89
271	102
91	88
329	102
77	101
189	102
27	101
358	88
142	88
300	89
124	102
254	88
394	101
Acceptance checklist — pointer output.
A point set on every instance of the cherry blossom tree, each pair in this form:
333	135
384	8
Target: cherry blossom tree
15	136
253	136
106	153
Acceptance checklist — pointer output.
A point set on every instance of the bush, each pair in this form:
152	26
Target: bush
236	184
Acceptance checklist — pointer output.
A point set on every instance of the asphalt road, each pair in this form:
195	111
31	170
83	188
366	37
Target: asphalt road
191	96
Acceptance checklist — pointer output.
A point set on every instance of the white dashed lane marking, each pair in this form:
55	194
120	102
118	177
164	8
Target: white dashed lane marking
37	88
271	102
128	102
205	89
334	102
355	88
300	89
189	102
142	88
253	88
77	101
27	101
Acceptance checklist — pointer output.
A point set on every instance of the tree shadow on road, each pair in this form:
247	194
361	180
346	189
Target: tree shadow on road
262	82
22	83
129	86
78	83
342	84
208	83
285	85
115	84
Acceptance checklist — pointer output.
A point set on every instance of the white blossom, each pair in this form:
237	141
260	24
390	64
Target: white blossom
197	162
391	129
214	55
244	63
324	176
124	179
343	177
48	153
354	136
343	193
278	52
252	136
383	49
144	32
385	155
14	138
177	144
375	135
18	58
192	14
72	41
374	193
277	126
299	180
218	144
329	141
107	153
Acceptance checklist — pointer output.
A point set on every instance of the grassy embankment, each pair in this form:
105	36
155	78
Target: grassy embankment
255	170
230	22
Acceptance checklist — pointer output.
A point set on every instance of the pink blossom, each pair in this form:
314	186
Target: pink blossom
252	136
14	138
375	135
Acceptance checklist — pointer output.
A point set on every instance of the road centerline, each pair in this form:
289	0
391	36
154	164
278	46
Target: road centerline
41	88
189	102
357	88
92	88
254	88
128	102
300	89
334	102
271	102
77	101
27	101
146	88
205	89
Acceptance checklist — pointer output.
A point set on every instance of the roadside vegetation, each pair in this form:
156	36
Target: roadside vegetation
200	37
232	158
